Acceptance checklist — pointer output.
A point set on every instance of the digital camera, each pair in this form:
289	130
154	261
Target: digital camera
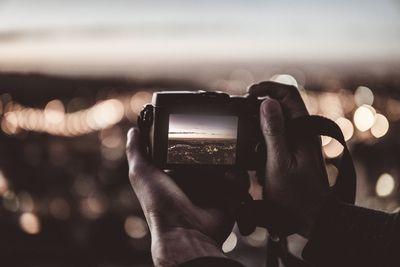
199	129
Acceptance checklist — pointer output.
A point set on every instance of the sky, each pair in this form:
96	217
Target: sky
88	36
200	126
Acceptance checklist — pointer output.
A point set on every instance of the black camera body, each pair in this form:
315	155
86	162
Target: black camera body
204	130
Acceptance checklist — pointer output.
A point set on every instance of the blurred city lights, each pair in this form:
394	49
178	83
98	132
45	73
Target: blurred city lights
257	238
311	101
26	202
30	223
332	173
364	117
385	185
3	184
363	96
135	227
392	109
330	105
333	149
230	243
54	112
138	100
10	201
285	79
346	126
111	138
55	121
325	140
380	127
94	206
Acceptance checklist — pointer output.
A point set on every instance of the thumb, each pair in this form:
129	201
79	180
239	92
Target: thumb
273	128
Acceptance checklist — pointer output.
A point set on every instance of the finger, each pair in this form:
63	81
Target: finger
152	186
273	128
138	165
287	95
292	106
133	146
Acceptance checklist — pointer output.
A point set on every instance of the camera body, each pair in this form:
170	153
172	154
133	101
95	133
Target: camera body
205	130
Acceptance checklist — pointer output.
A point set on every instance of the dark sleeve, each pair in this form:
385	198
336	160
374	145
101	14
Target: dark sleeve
346	235
211	261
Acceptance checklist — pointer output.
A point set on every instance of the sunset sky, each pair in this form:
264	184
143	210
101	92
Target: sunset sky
198	126
91	37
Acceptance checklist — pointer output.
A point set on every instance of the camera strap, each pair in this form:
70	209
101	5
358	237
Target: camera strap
255	213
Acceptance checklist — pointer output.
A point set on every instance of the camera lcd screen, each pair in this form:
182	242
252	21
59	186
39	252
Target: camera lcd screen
202	139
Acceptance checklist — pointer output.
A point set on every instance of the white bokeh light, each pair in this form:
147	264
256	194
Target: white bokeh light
380	127
364	117
230	243
385	185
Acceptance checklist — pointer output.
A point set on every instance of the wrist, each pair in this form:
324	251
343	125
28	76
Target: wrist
179	245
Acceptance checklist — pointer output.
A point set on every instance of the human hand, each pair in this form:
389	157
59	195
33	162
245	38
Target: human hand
295	174
180	229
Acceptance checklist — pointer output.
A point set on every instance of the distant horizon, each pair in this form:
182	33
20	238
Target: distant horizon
140	38
197	137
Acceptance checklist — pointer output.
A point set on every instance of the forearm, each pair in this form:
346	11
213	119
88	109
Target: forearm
178	246
346	235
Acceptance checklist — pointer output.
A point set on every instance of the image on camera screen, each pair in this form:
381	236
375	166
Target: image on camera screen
202	139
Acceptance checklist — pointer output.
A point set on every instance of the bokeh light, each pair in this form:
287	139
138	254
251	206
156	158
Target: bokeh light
330	105
26	201
54	112
385	185
30	223
135	227
333	149
392	109
258	238
10	201
380	127
138	100
285	79
332	173
363	96
346	126
325	140
3	184
94	206
55	121
364	117
230	243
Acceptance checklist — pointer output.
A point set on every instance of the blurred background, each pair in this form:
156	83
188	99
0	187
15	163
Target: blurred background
75	74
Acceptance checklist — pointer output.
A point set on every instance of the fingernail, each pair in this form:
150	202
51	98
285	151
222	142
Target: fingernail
272	122
266	106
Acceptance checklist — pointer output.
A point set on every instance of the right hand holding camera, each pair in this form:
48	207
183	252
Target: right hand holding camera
295	174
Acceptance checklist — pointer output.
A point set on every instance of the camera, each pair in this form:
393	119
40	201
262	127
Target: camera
204	130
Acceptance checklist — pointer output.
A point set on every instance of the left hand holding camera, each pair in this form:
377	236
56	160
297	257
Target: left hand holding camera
180	230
